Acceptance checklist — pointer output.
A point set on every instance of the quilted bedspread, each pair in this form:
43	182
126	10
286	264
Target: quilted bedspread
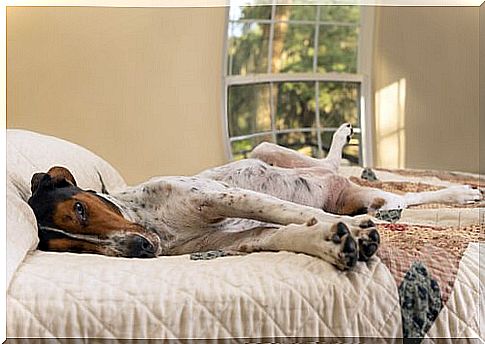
424	282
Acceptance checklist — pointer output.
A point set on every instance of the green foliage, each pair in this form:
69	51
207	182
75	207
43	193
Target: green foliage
293	51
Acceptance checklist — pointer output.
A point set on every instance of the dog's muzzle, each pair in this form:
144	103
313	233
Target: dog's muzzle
140	247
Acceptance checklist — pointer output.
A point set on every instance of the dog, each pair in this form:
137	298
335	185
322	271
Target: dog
276	200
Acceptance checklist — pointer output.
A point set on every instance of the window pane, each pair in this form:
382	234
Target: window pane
301	12
351	151
305	143
326	141
248	48
241	148
295	105
248	109
293	48
337	49
338	103
340	14
249	12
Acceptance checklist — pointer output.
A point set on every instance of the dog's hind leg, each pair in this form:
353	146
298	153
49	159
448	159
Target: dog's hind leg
283	157
460	194
368	199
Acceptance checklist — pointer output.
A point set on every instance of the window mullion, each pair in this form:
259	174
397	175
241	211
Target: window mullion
230	55
270	58
271	36
272	111
317	87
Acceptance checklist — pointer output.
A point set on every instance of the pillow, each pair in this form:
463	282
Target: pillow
28	153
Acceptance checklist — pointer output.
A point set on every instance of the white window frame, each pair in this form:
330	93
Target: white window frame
363	76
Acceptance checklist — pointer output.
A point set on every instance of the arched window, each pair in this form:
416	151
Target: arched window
293	74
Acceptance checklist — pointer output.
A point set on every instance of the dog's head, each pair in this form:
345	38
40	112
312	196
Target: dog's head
76	220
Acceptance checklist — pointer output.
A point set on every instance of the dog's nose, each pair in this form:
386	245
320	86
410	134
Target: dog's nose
141	247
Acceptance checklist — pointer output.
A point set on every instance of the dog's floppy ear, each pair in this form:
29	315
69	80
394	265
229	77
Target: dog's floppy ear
60	175
56	177
36	181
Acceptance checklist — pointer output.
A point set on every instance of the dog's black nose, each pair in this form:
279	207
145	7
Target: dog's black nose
139	247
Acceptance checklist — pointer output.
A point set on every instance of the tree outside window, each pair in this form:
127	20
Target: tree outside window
292	77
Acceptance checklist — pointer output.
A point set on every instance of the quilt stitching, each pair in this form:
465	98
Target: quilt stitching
34	317
84	306
147	309
256	303
366	288
261	307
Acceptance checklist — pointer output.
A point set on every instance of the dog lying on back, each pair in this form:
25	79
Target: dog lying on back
277	200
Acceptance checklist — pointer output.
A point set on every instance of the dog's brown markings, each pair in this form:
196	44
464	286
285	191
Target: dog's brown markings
72	245
101	219
59	173
349	203
377	203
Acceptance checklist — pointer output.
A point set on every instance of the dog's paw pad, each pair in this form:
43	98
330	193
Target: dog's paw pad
368	223
350	252
369	241
340	230
348	248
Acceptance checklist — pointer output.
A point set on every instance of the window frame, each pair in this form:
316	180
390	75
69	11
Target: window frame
362	76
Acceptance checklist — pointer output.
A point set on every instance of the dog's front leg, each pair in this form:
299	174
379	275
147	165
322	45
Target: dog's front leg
240	203
333	244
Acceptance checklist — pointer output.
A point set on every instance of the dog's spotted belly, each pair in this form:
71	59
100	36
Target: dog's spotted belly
310	189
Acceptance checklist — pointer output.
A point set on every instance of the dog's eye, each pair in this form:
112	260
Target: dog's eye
80	211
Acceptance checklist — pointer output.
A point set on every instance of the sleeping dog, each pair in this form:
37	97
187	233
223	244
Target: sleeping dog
276	200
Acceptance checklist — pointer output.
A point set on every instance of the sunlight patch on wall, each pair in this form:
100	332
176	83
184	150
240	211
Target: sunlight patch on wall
390	125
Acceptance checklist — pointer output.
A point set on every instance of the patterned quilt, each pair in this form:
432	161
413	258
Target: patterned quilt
424	259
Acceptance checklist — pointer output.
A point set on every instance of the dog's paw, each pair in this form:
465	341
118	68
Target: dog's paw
363	229
359	221
344	133
349	251
368	240
465	194
335	244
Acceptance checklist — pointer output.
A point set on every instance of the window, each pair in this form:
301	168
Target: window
293	74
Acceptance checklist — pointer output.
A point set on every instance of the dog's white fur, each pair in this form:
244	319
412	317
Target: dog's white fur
277	200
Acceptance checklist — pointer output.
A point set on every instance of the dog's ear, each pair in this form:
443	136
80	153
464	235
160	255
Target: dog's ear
61	175
56	177
36	180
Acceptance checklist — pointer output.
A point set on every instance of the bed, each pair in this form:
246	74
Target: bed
424	282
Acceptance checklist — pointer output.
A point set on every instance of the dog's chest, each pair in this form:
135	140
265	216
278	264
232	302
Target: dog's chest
167	205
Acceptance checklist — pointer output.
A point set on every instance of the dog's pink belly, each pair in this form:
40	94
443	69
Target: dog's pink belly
308	186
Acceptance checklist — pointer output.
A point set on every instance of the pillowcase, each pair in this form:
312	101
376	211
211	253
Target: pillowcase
28	153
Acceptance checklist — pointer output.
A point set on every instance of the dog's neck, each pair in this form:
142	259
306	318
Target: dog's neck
134	209
123	206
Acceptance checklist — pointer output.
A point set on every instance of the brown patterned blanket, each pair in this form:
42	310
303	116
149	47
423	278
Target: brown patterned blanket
424	259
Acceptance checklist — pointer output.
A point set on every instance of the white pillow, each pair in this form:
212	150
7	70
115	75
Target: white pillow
28	153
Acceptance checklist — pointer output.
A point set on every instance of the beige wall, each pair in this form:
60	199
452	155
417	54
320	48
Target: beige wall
140	87
426	84
482	88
